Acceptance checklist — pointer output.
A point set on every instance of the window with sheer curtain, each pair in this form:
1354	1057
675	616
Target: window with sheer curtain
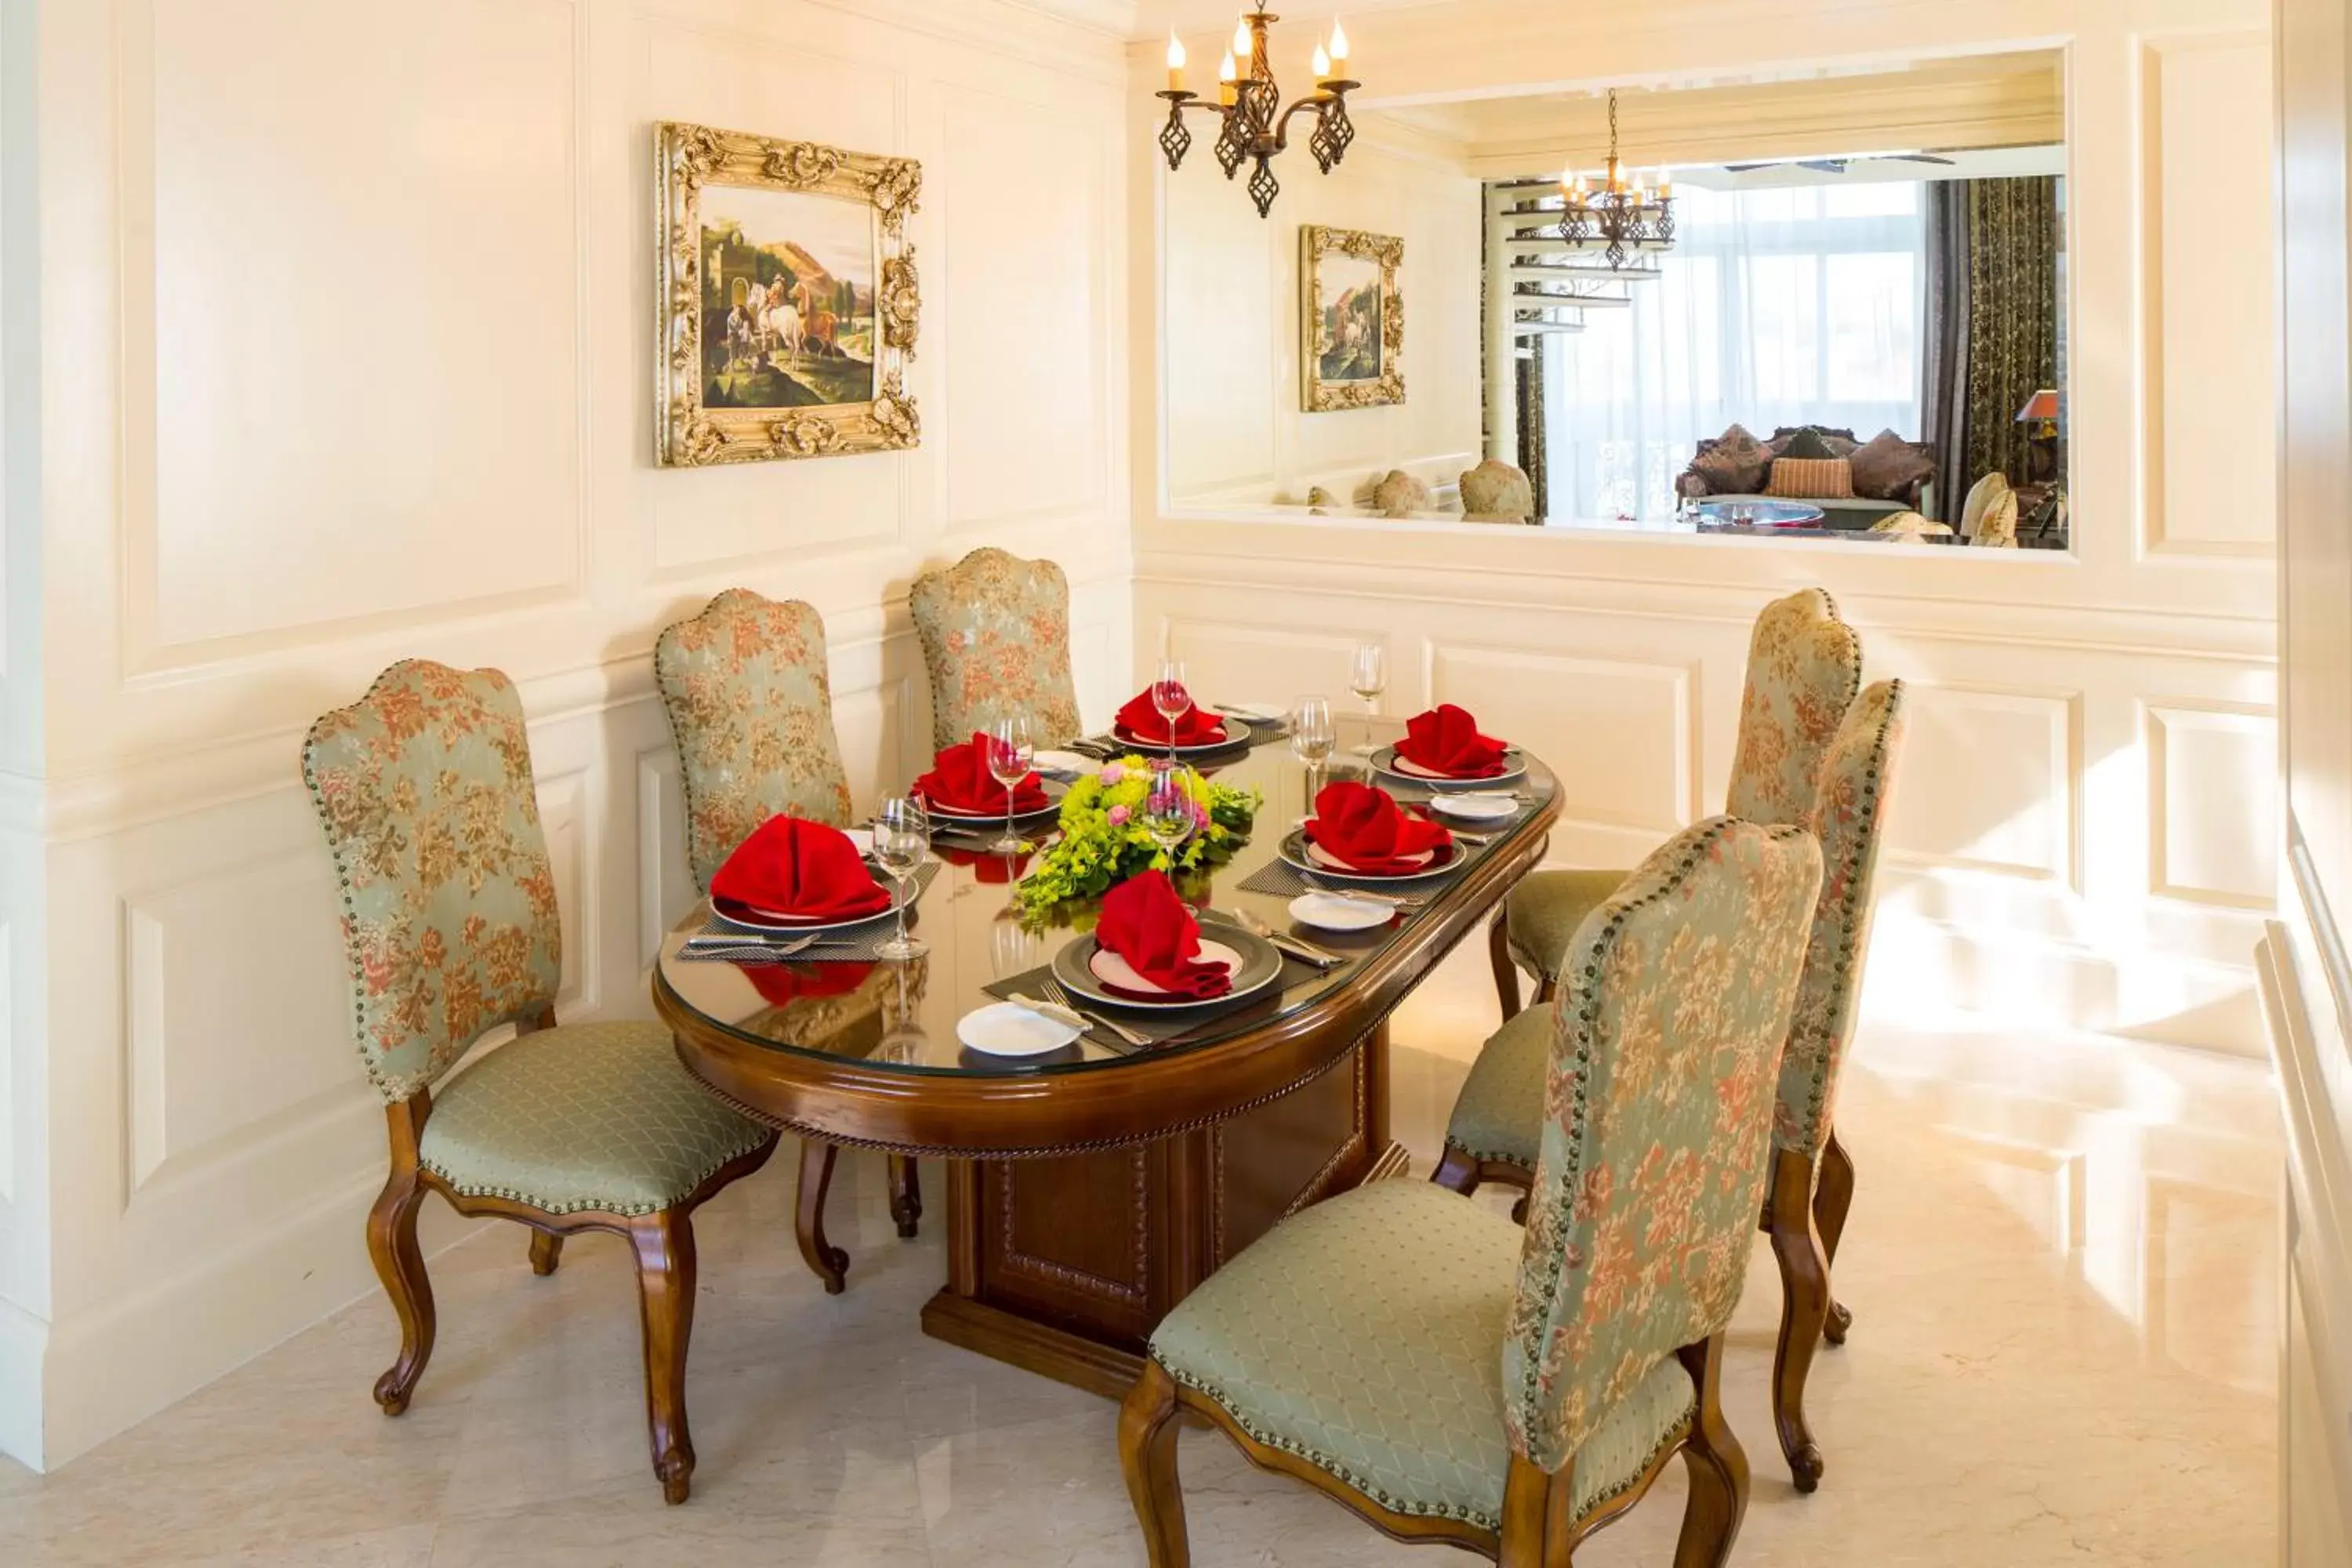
1791	305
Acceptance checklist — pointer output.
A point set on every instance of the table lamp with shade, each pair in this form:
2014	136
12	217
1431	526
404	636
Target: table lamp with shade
2040	417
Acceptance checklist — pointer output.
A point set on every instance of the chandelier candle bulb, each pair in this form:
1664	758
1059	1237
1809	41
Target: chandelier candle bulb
1175	62
1322	67
1339	47
1226	81
1242	47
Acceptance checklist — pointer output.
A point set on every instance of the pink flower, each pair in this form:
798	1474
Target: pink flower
1112	774
1117	815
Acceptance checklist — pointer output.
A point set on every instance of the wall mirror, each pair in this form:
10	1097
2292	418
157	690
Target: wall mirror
1830	308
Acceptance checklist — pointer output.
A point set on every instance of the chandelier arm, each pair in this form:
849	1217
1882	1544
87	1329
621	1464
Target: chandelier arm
1318	105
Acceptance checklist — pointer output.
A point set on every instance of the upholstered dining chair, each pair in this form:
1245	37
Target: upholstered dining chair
1448	1376
423	787
1911	525
995	631
751	711
1804	666
1496	1128
1981	511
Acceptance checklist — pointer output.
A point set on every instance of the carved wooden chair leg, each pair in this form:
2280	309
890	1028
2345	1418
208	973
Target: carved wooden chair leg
1456	1172
1831	1200
829	1263
665	1266
1498	955
905	1193
546	1252
1147	1455
392	1243
1718	1466
1804	1309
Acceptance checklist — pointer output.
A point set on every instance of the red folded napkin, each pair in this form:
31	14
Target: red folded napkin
1365	830
791	867
778	984
1196	726
1445	739
960	781
1147	924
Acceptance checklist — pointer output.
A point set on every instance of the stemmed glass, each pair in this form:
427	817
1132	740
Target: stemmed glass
1312	736
902	834
1169	812
1011	748
1170	699
1368	677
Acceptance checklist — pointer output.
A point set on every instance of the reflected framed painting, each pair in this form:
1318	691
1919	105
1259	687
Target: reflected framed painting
1350	317
788	298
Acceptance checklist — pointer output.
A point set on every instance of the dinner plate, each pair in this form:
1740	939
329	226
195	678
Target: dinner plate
1054	789
1471	806
1329	911
1257	964
1009	1029
1386	761
745	916
1067	763
1297	852
1236	734
1253	712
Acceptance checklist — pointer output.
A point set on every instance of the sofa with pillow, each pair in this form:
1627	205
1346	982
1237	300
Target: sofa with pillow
1854	483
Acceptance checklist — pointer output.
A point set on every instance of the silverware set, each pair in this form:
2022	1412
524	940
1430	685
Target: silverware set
751	945
1062	999
1297	947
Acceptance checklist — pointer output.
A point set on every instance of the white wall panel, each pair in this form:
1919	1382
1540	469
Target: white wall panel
1988	783
2212	805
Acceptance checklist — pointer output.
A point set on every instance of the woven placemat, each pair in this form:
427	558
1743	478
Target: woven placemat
856	945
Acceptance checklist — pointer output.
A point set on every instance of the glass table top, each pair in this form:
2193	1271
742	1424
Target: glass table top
903	1015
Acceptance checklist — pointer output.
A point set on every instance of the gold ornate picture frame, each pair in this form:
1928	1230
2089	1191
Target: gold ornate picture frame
786	300
1350	318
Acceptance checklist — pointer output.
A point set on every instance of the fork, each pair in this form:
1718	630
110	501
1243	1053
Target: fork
1338	890
1061	998
1320	957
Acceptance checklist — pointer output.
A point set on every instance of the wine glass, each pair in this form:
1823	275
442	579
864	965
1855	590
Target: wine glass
1368	677
901	837
1312	735
1170	699
1169	814
1010	748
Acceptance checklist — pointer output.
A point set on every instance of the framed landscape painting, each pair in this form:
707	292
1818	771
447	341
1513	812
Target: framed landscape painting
1350	317
788	298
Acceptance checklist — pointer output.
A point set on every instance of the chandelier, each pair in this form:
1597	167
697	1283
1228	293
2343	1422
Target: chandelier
1252	124
1621	218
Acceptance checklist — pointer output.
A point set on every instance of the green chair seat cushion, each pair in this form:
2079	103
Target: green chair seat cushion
1500	1112
1365	1336
1546	907
582	1116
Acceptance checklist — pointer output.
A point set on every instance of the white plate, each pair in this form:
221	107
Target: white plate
1112	970
1474	807
1009	1029
1255	712
1322	856
1068	763
1326	911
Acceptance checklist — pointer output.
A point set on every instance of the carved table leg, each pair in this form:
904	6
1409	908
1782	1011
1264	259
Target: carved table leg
906	1192
666	1268
546	1252
1831	1199
829	1263
1804	1307
392	1243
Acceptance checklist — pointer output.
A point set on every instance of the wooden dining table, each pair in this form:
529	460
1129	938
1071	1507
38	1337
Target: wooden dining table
1091	1190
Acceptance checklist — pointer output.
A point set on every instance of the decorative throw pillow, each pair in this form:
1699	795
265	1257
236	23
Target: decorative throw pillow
1812	478
1735	465
1808	445
1887	467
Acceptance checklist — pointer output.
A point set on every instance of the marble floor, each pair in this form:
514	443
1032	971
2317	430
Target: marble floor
2061	1265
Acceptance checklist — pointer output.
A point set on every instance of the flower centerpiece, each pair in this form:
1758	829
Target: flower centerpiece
1103	840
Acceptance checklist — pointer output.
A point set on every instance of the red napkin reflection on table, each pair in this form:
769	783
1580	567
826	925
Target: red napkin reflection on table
1445	739
1147	924
1365	830
778	984
989	868
960	781
1196	726
792	867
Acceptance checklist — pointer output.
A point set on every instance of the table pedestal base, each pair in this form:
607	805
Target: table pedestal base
1064	1267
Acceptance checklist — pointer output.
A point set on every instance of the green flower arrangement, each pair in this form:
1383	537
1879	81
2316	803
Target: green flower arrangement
1103	840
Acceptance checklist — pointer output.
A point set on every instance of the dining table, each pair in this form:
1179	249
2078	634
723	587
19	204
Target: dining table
1090	1190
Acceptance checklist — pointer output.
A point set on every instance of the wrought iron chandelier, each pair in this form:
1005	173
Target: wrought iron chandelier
1621	218
1253	124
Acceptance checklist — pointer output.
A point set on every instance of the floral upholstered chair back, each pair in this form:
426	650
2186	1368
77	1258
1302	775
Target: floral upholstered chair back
751	709
1804	666
996	638
1849	821
423	787
1657	1109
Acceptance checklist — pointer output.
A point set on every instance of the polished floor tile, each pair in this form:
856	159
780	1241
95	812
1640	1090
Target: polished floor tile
2061	1263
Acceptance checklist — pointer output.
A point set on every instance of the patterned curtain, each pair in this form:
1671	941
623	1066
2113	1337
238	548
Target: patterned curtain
1944	388
2012	316
1531	424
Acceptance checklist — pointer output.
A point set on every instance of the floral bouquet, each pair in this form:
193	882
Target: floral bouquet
1103	840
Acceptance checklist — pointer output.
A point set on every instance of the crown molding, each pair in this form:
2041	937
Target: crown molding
1118	18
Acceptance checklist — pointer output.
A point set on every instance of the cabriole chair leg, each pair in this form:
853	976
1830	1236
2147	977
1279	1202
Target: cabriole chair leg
391	1244
1833	1198
666	1270
1804	1309
1147	1455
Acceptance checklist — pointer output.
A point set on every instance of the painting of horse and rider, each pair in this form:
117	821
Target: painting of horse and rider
787	299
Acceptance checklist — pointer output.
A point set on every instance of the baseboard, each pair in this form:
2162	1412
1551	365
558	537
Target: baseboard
115	1367
23	1340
